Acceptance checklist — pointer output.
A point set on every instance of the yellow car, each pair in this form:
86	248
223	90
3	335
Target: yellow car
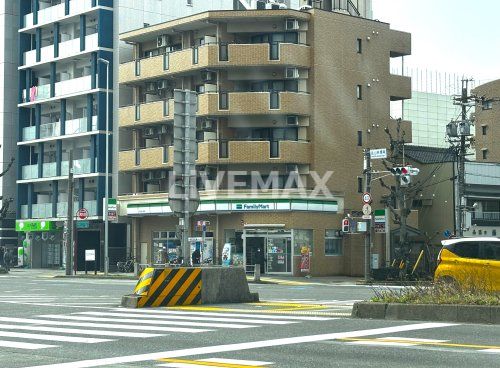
470	262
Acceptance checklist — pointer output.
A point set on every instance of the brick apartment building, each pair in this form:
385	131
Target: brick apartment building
295	94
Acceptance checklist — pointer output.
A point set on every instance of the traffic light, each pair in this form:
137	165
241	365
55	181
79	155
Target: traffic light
405	177
346	225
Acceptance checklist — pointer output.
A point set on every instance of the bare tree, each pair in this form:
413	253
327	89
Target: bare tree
7	201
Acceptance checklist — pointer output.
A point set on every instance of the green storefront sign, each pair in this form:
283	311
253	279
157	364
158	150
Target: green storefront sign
33	225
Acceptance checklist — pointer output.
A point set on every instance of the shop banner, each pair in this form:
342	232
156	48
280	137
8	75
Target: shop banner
226	255
305	259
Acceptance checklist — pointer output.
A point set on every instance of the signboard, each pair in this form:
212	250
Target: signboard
305	259
378	153
361	227
112	209
380	222
366	217
226	255
253	207
83	224
20	256
367	198
82	214
89	255
29	225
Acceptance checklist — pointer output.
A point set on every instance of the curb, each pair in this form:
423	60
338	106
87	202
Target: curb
393	283
483	314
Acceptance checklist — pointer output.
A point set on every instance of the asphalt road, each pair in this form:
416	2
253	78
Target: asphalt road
72	323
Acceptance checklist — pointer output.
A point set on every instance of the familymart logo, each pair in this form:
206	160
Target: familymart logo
253	207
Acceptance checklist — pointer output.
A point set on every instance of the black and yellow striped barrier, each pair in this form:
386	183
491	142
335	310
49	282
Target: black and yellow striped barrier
166	287
169	287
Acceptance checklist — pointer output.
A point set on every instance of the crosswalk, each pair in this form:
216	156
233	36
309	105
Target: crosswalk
46	331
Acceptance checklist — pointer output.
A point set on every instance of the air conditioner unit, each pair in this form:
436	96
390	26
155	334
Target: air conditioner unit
200	88
292	120
149	132
208	124
163	41
164	84
291	73
148	175
151	87
160	174
291	24
208	76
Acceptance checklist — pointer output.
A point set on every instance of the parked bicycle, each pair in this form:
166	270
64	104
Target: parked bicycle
127	266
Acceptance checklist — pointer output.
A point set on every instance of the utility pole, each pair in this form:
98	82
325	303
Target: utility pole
69	220
368	180
459	133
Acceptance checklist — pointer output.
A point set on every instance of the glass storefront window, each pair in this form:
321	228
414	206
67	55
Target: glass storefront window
302	238
234	237
165	247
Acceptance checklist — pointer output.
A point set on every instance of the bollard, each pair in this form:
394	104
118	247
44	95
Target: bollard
256	273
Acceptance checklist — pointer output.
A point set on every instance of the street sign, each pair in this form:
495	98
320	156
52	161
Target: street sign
89	255
367	198
367	209
82	214
82	224
112	209
366	217
378	153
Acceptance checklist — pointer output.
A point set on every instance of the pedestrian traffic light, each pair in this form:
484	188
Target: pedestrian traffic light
345	225
405	177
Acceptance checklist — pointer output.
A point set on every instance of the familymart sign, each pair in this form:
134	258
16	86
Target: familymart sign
242	205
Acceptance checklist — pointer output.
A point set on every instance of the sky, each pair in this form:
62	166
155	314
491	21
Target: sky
453	36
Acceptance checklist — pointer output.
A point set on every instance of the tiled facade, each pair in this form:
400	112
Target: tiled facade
315	107
487	122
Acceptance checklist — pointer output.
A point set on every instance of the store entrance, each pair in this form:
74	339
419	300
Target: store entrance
255	252
271	248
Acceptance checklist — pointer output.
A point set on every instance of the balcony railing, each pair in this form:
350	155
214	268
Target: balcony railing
29	172
81	166
36	93
79	6
486	218
44	210
73	126
41	210
56	12
74	85
49	169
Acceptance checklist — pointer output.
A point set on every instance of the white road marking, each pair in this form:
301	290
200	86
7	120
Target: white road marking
77	331
379	343
497	351
234	361
249	315
255	319
24	345
103	325
22	335
410	339
242	346
148	322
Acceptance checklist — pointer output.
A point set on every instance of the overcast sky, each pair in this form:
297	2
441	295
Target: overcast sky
458	36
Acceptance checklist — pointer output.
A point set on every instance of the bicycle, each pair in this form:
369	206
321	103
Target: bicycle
127	266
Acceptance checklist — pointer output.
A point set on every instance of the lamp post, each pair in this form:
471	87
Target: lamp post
106	180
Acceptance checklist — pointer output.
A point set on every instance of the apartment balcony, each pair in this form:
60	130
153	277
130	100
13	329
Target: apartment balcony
146	113
399	87
63	88
215	56
486	218
66	49
49	169
53	130
146	158
400	43
45	210
254	103
254	152
54	13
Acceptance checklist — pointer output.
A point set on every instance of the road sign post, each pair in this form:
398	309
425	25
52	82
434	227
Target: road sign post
183	195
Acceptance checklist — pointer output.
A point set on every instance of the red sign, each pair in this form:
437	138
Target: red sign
82	214
305	259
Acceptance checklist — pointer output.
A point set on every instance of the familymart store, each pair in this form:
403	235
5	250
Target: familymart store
273	233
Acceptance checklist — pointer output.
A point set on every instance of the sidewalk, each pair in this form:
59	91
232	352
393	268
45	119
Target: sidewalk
50	273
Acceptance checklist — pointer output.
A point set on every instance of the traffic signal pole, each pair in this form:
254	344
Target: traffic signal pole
368	179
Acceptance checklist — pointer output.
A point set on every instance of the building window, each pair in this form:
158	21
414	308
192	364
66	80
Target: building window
484	129
189	2
360	138
359	94
487	104
333	243
360	184
485	154
358	45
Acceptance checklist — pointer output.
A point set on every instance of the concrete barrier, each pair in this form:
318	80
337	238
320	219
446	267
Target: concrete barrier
189	286
428	312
